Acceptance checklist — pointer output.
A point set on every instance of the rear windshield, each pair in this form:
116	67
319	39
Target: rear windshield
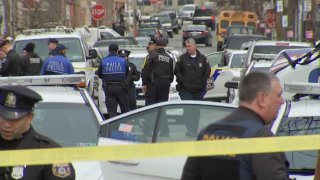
187	8
235	42
273	49
203	12
74	52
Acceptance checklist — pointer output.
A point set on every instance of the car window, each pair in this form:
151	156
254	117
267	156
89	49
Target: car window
176	120
137	61
237	23
137	128
237	60
273	49
215	60
74	52
105	35
69	124
294	126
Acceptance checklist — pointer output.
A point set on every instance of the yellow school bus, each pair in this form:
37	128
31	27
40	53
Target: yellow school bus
230	17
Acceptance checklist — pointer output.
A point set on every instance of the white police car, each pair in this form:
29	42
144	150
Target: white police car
78	51
224	67
148	125
67	115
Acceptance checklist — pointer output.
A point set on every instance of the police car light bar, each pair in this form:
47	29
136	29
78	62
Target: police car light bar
43	80
302	88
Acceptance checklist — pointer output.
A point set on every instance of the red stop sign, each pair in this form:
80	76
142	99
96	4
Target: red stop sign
98	12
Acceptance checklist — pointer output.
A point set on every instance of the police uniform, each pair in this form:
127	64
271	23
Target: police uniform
242	123
16	102
133	75
113	70
58	64
13	63
158	74
32	62
192	74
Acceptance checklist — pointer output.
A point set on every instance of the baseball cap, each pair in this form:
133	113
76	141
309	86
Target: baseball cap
161	42
124	53
29	47
53	40
60	47
17	101
113	47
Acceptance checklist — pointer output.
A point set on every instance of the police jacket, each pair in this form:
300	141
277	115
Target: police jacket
242	123
31	64
159	64
57	65
33	140
133	75
113	69
12	66
192	73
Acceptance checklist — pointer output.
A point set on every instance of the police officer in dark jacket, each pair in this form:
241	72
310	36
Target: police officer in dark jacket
192	71
260	101
31	61
13	63
114	70
158	74
133	75
16	133
58	64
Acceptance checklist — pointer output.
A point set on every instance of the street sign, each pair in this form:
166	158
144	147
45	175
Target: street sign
98	12
270	18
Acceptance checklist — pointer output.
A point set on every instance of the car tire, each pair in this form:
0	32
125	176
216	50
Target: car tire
176	31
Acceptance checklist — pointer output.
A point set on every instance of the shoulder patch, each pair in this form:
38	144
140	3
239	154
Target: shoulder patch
61	170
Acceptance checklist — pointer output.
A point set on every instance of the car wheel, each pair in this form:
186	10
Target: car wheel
176	31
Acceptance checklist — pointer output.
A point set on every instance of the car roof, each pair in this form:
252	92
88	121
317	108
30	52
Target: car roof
47	35
57	94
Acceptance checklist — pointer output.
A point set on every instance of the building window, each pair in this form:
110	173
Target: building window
183	2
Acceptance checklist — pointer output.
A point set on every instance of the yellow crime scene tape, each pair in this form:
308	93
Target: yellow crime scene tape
85	69
152	150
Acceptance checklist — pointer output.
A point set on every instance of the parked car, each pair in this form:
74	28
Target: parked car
186	12
235	41
204	16
199	33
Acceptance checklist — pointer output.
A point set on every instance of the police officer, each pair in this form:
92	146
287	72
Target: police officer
260	100
31	61
52	45
114	70
16	132
58	64
133	75
158	74
192	71
13	63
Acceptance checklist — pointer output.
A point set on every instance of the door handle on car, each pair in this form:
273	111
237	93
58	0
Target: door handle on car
128	162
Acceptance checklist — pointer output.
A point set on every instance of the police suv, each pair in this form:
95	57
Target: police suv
78	51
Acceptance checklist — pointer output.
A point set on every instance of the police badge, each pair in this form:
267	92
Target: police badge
61	170
17	172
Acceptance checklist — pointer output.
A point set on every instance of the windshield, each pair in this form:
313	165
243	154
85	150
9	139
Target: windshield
74	52
164	19
294	126
69	124
147	32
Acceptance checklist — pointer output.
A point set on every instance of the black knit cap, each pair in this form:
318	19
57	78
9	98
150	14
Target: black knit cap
29	47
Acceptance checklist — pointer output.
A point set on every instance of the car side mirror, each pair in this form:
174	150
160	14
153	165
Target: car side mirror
93	53
231	84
